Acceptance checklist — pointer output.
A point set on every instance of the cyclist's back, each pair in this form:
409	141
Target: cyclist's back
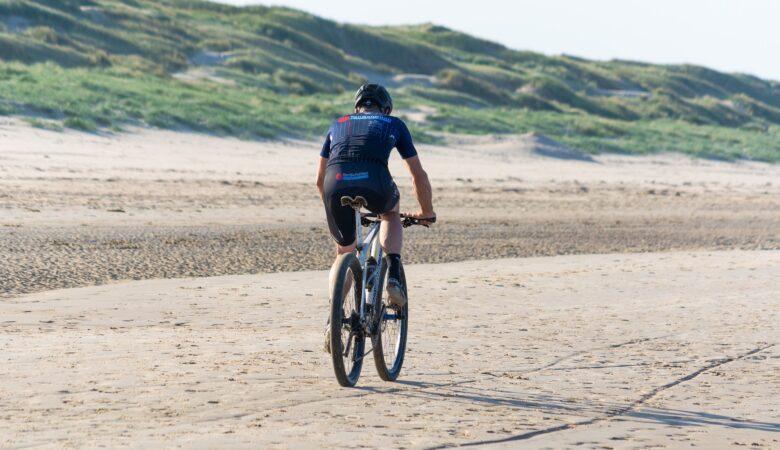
358	147
367	137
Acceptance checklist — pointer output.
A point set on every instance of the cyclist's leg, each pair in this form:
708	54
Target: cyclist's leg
391	239
391	232
341	219
341	249
341	223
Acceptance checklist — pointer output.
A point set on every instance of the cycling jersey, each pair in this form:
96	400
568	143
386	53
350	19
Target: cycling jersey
358	147
367	137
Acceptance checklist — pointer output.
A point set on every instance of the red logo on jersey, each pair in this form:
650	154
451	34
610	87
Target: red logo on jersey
339	176
344	119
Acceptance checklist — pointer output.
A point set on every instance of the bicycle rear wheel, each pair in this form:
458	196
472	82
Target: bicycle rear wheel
389	341
347	340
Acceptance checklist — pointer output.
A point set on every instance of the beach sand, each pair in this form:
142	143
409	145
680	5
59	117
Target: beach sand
655	350
560	302
80	209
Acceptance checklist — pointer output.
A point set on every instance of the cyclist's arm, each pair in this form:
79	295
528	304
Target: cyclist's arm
324	155
321	176
422	186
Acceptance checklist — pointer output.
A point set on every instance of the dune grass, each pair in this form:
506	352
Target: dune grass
268	72
597	135
89	99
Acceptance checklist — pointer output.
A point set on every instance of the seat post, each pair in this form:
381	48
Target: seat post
359	231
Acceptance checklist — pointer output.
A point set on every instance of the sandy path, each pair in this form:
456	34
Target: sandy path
629	351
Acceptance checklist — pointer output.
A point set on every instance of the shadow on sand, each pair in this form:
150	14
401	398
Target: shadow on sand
579	411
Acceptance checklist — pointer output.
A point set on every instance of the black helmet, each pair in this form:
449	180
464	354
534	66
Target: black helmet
374	94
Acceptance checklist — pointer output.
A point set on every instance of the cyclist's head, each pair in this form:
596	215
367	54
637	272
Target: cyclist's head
373	96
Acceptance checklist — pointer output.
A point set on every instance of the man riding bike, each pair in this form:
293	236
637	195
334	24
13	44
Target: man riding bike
353	162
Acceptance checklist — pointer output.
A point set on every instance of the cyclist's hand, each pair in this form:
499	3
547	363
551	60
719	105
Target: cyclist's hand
421	216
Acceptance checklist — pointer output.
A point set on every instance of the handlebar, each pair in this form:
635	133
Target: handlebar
407	221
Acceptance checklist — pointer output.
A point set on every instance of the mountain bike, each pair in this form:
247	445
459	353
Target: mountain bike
357	312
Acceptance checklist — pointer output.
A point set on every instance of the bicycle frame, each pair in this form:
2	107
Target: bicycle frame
369	319
368	247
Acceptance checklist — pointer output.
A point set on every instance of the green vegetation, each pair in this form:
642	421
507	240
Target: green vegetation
262	72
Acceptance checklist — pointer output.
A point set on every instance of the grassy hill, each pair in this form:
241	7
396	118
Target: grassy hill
276	72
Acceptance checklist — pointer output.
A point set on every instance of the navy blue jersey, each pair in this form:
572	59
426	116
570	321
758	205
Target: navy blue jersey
367	137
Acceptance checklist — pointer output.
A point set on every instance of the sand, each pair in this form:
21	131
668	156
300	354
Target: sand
657	350
575	302
81	209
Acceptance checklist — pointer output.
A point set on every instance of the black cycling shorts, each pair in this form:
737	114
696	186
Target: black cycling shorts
370	180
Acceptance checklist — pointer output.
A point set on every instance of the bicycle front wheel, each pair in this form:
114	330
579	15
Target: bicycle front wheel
389	341
347	339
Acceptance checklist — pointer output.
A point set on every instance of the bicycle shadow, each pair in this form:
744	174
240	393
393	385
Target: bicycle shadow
463	392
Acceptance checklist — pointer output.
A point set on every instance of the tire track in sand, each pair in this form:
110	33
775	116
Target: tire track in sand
617	412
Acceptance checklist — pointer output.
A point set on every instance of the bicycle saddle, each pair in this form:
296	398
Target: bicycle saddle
356	203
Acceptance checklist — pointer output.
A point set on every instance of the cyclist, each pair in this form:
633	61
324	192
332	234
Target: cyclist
353	161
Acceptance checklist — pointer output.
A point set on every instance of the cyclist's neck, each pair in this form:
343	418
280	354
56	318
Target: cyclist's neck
368	111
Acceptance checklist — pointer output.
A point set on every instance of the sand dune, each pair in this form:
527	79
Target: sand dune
629	351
